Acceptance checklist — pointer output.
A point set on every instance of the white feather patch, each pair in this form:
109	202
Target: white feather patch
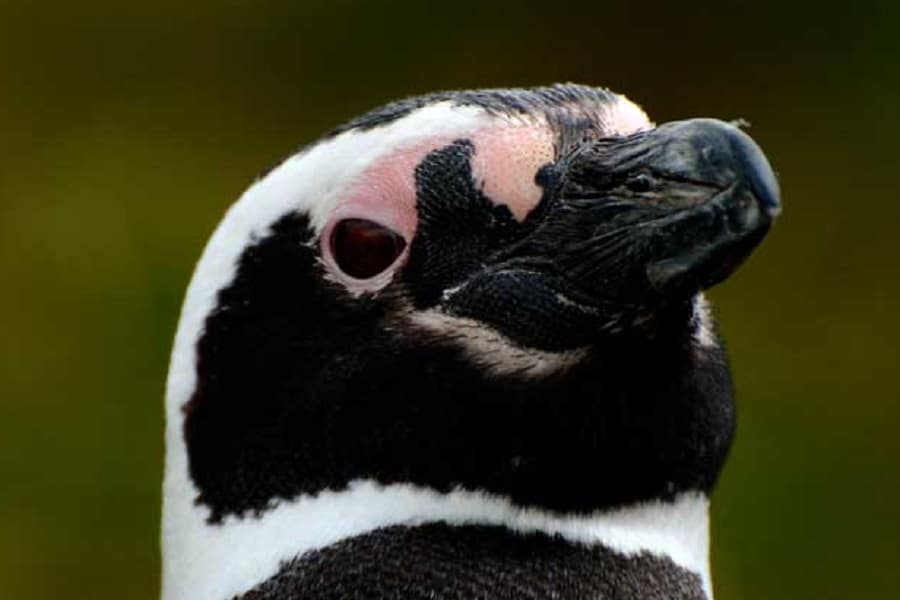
702	321
624	117
493	351
233	557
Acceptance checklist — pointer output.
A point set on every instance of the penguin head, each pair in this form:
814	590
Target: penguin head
497	291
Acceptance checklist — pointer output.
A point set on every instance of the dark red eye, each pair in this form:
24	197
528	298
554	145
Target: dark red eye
363	249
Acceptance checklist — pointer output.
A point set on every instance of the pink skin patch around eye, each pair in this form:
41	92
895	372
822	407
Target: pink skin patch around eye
505	162
383	193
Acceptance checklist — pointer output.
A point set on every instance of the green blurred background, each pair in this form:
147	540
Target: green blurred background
126	130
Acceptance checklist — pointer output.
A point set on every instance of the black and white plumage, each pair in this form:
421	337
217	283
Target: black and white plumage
459	348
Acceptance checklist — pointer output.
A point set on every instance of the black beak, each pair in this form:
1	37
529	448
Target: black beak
734	220
665	212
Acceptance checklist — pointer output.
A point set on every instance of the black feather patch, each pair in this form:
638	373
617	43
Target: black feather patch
459	227
491	563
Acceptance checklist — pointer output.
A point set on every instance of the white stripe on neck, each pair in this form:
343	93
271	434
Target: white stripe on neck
219	561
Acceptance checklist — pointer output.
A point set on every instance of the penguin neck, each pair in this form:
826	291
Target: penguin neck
238	551
237	554
625	426
642	491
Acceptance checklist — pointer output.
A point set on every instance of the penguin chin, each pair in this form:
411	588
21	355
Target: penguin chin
549	323
511	356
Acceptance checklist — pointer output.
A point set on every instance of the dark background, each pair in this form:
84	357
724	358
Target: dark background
126	130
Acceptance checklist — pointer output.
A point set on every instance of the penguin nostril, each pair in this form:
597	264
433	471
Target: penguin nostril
640	183
362	249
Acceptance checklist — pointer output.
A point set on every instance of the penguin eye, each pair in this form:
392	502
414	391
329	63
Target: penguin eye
363	249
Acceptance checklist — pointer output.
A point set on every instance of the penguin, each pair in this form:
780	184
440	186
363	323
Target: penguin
458	347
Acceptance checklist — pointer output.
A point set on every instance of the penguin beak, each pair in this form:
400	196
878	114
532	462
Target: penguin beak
631	225
666	212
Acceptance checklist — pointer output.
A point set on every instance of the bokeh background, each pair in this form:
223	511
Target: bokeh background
126	129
